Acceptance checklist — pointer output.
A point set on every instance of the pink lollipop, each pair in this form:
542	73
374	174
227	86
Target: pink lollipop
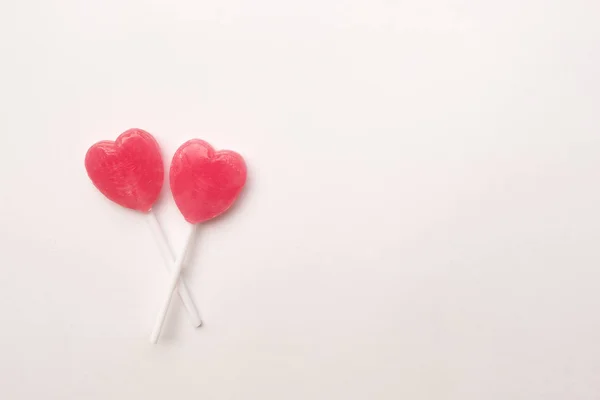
130	172
205	183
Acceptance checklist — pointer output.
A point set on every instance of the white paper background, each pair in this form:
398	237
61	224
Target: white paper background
421	221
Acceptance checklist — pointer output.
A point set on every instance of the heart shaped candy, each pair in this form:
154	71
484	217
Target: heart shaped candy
205	182
129	171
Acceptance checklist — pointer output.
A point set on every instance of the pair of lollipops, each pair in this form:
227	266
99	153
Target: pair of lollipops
205	183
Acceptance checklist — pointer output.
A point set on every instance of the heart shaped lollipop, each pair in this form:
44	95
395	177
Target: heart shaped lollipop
130	172
205	183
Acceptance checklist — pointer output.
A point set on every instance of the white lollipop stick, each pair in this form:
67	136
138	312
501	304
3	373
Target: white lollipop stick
172	285
169	258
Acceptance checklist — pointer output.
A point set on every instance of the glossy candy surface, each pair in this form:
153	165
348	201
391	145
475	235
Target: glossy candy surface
205	182
129	171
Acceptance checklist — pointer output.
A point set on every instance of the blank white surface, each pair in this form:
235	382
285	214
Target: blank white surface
421	221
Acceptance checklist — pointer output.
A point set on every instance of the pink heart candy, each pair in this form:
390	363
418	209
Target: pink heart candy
205	183
129	171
